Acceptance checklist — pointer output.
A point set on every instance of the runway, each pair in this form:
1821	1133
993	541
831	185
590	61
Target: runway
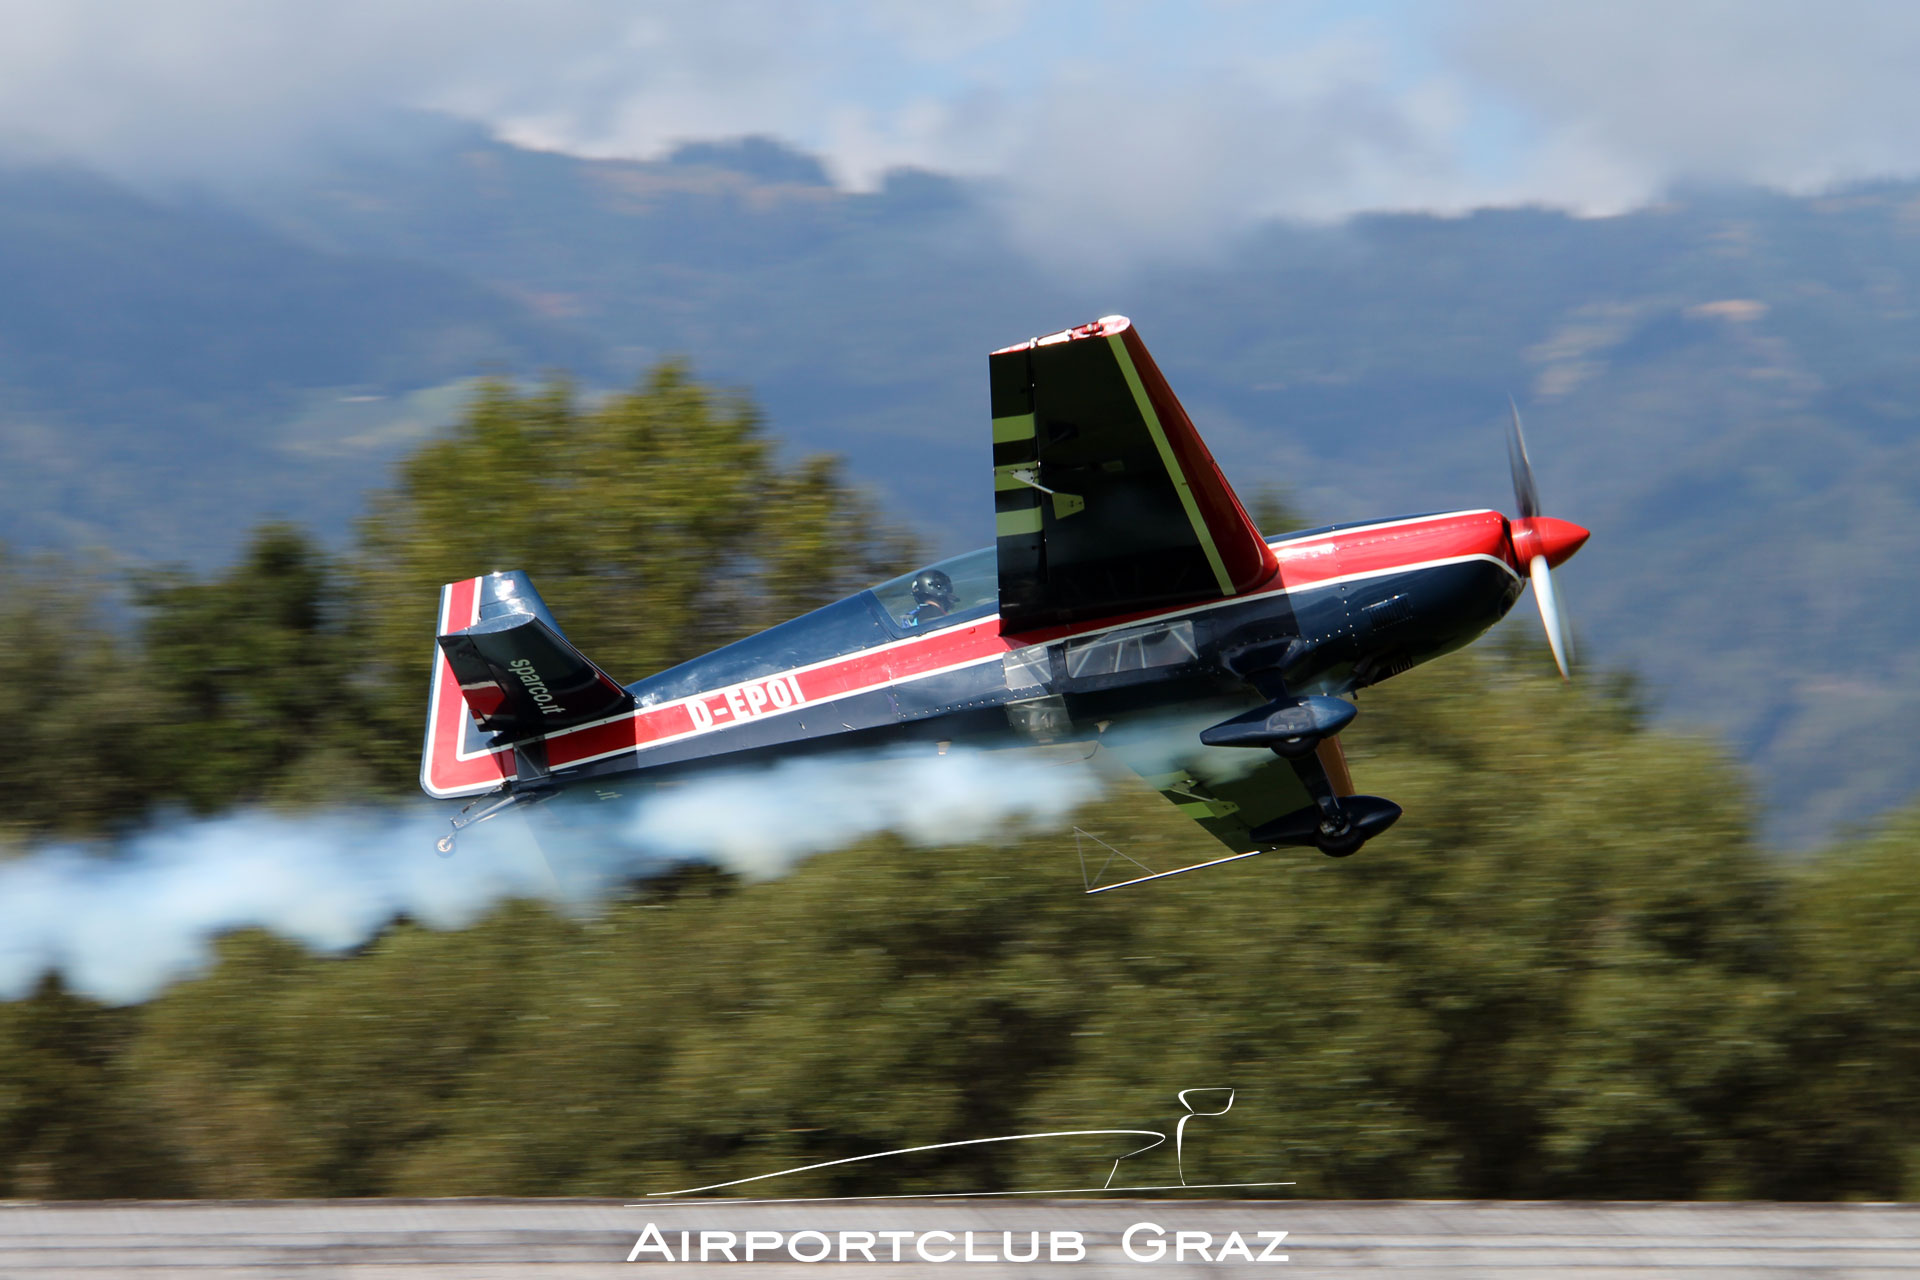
555	1239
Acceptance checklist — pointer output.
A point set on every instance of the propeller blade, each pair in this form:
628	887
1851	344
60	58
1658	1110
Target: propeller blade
1550	614
1525	494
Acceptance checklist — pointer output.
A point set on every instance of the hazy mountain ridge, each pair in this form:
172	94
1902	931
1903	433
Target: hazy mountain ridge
1720	387
149	353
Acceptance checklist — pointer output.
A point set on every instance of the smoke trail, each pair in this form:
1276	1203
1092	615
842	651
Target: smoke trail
760	823
120	927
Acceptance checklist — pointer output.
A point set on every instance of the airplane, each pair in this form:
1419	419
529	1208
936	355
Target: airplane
1128	607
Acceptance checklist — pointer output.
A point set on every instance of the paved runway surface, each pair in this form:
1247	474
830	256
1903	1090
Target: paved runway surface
542	1239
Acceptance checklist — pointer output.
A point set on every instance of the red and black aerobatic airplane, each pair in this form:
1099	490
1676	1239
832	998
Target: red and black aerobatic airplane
1127	588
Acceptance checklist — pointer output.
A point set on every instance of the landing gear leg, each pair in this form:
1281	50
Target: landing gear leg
1335	832
1334	824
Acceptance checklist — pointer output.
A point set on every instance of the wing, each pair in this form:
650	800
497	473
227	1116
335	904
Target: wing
1105	498
1228	791
1228	807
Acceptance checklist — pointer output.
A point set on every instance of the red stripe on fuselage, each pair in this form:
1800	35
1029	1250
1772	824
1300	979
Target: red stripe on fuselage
1304	563
1385	547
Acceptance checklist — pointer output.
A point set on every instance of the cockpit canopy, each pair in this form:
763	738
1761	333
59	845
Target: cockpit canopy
861	621
952	590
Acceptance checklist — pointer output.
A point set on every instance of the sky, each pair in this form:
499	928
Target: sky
1175	123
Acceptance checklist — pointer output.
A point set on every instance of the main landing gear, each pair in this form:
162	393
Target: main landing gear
1295	729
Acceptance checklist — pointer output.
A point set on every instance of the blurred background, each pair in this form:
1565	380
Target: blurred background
305	311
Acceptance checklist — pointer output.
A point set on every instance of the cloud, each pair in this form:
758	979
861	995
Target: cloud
1102	128
211	87
1106	164
206	87
1635	94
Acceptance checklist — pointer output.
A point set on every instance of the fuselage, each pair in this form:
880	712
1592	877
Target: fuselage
1349	606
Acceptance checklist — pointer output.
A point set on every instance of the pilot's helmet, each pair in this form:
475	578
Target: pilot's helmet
931	586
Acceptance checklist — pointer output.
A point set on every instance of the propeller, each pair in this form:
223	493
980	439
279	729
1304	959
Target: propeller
1541	542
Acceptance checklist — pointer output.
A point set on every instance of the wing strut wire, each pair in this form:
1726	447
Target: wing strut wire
1091	879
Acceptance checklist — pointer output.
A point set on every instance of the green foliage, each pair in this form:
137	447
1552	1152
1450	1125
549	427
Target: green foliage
71	1123
255	664
77	731
1851	1109
1569	971
1274	513
285	1075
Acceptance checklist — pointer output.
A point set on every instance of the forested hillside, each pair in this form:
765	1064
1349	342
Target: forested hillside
1571	970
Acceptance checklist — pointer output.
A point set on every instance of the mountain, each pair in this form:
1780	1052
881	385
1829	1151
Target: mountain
170	373
1720	386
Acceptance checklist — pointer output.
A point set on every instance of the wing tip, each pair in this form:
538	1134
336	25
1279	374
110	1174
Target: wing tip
1104	327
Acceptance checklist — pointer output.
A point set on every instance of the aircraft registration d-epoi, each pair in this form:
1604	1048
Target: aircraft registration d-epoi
1127	588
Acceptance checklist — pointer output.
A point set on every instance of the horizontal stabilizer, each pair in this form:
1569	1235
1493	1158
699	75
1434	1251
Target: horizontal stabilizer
520	677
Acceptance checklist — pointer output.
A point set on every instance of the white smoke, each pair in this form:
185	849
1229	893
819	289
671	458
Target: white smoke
760	823
121	925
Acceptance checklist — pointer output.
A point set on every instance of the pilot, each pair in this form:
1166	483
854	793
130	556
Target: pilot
933	598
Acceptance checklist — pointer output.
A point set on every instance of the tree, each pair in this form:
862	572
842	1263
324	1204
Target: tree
80	746
281	1074
1847	1121
1274	512
71	1122
250	677
1565	973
